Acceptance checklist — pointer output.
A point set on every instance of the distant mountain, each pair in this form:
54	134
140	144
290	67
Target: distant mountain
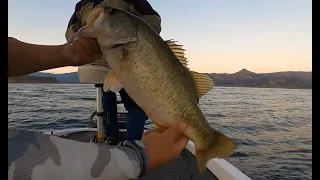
243	78
32	79
71	78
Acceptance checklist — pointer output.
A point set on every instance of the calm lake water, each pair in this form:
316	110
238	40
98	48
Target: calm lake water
272	127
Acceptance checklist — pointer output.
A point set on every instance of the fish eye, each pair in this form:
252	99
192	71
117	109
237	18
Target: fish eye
111	10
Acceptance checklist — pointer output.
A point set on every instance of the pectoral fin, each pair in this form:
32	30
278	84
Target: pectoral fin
111	82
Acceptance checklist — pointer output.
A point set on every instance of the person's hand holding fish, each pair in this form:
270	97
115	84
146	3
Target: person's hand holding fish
82	51
172	141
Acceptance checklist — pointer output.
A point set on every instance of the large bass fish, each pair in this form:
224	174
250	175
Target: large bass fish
154	74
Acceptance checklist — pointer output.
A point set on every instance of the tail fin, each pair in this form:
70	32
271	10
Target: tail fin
220	147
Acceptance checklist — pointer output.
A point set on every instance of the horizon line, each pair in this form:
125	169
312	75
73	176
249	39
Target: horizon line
202	72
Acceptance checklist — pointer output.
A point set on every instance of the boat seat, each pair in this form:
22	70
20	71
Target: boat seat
93	73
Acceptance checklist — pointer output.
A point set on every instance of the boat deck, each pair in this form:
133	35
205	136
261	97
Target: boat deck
184	167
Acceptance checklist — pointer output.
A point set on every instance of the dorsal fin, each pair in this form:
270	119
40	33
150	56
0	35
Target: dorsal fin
178	51
203	82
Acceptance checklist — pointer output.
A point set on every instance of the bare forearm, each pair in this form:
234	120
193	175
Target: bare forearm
24	58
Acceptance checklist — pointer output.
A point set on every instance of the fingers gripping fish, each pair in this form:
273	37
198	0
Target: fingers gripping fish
154	73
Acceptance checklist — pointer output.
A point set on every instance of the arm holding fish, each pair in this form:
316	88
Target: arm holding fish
34	155
25	58
39	156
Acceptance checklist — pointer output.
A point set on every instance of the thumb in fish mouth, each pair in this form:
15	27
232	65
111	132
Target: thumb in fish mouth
87	31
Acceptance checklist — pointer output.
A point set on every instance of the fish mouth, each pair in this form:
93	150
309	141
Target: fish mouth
112	47
122	42
117	45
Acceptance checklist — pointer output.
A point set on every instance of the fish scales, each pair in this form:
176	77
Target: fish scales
153	76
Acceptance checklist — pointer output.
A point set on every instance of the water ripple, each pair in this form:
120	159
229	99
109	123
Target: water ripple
271	127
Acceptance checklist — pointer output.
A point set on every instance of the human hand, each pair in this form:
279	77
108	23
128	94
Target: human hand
82	51
163	147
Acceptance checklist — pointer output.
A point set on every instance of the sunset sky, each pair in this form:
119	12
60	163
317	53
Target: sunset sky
219	35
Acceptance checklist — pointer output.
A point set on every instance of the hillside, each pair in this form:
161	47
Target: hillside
243	78
32	79
71	78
